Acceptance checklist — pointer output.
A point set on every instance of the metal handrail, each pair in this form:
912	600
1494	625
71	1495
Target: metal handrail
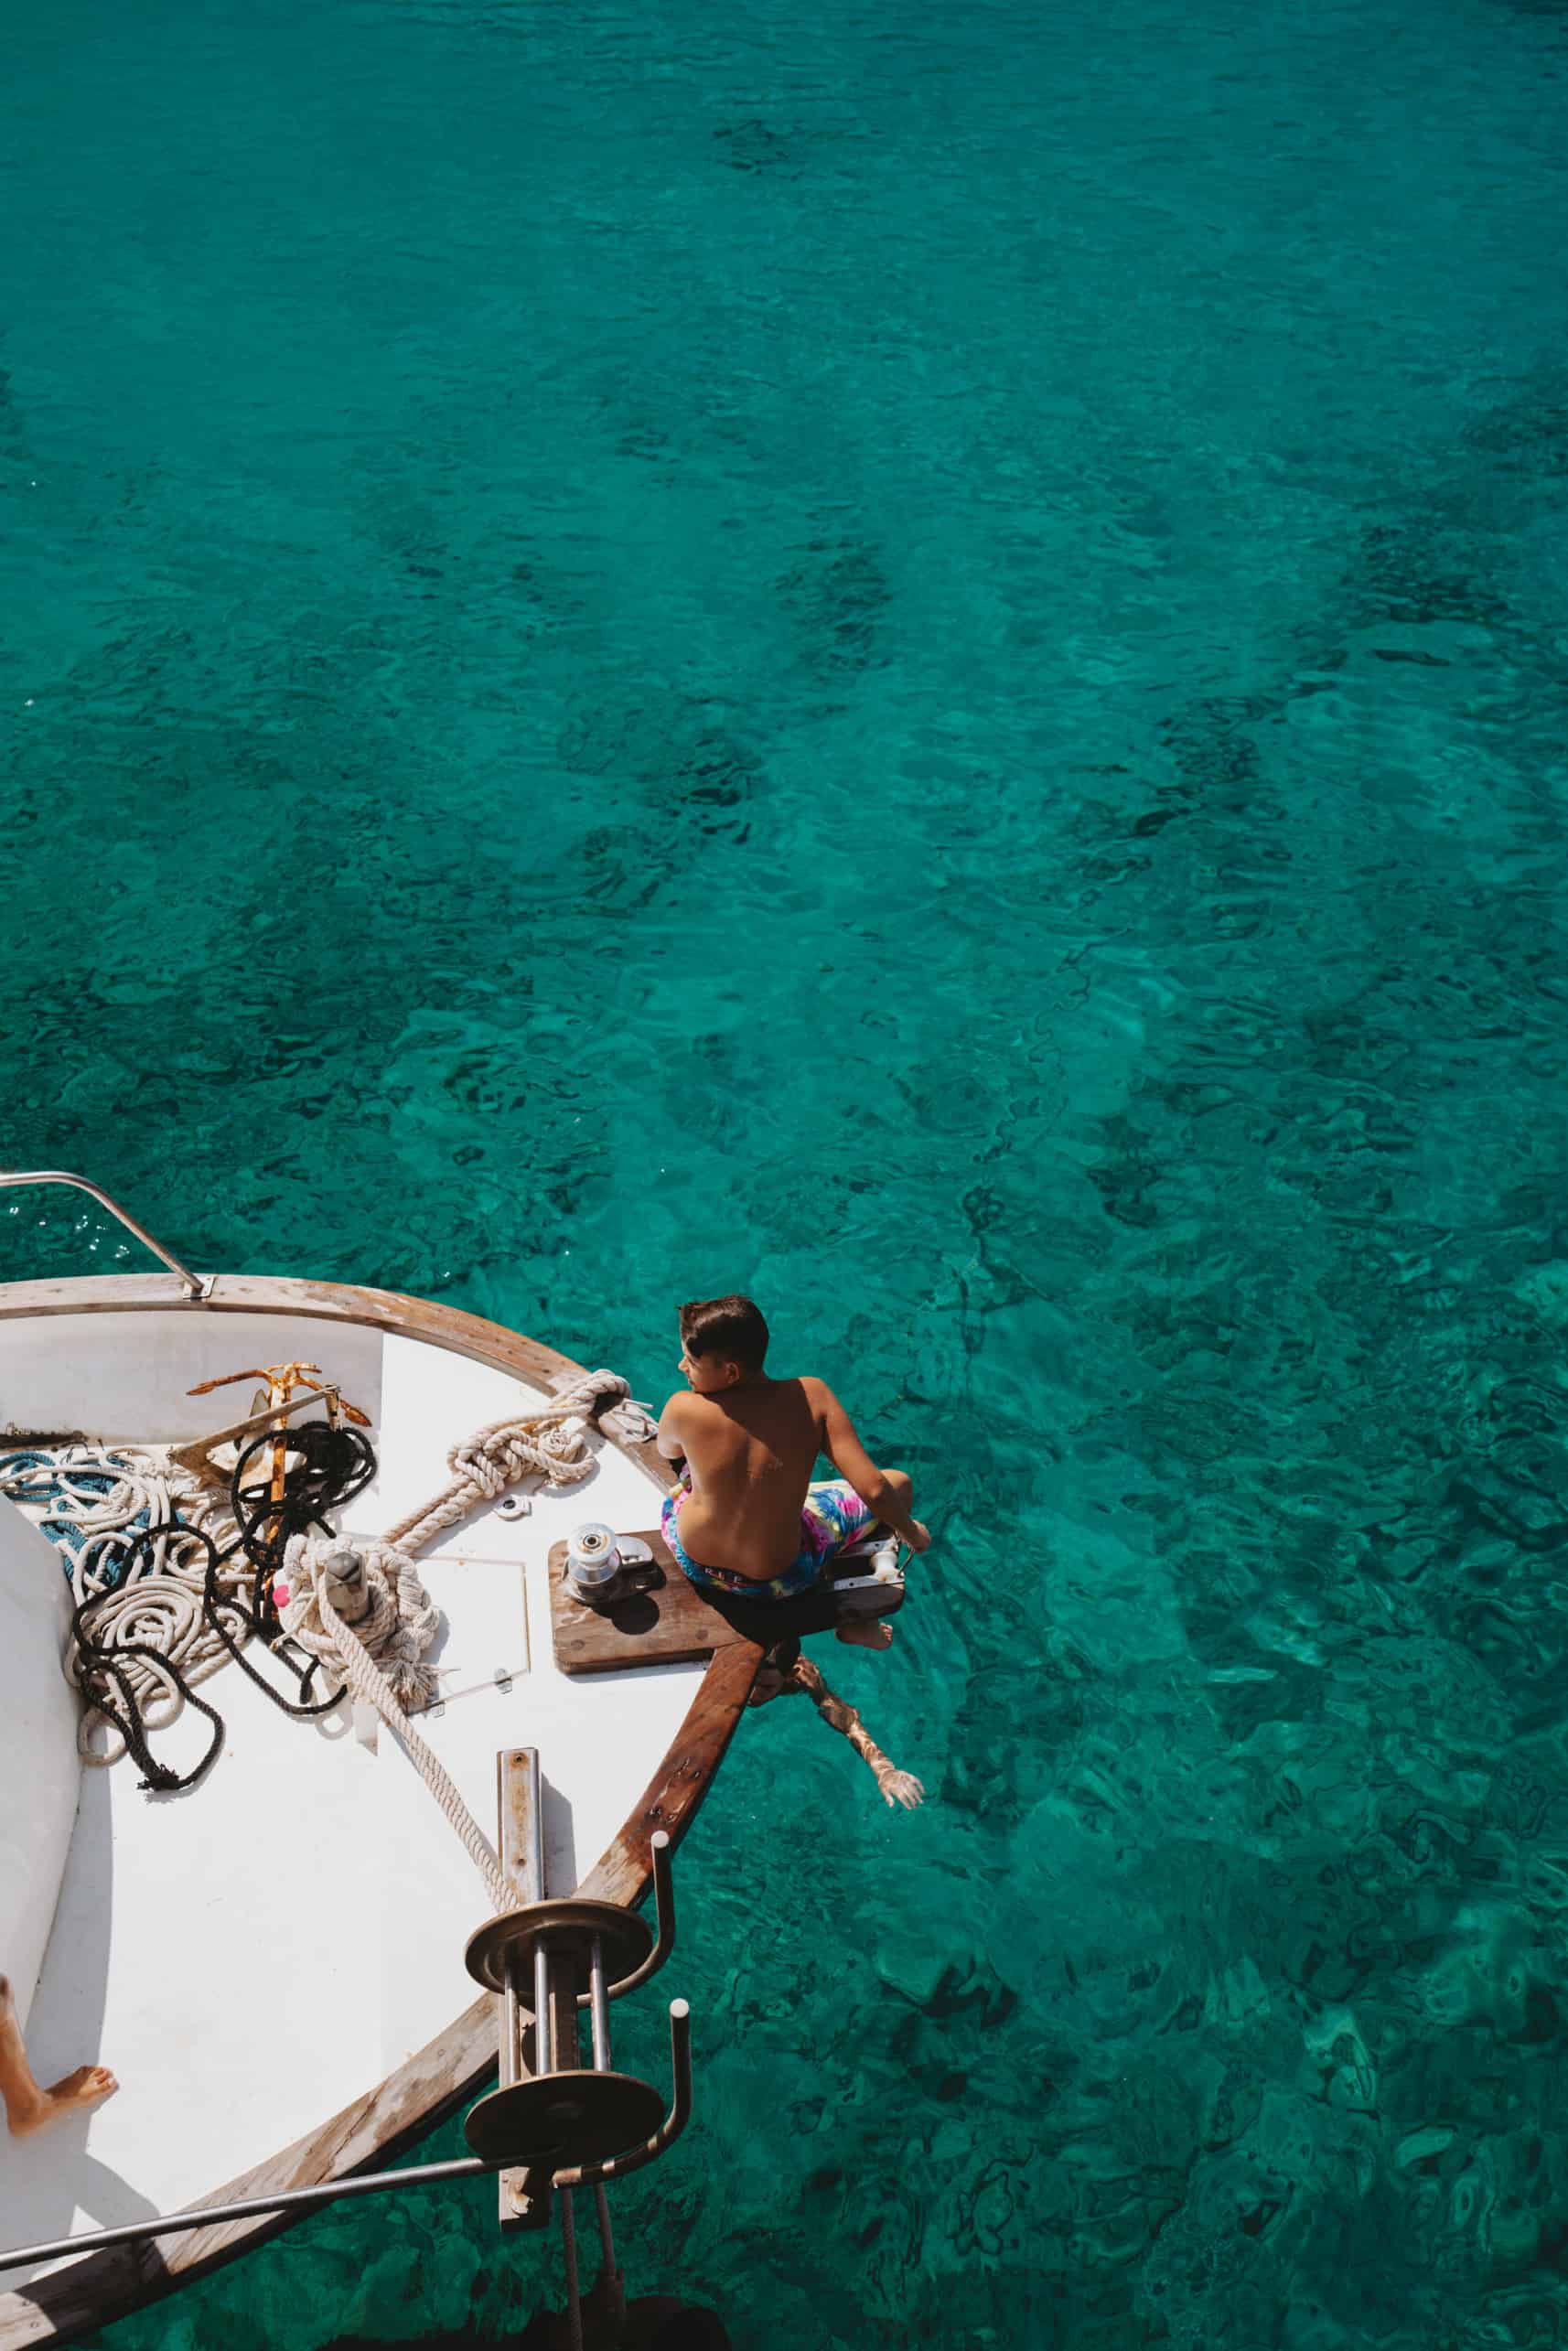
250	2208
616	2167
664	1911
197	1285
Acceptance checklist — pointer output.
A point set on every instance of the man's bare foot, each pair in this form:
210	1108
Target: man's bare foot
873	1636
28	2108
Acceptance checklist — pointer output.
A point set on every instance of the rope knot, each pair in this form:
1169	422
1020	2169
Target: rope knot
483	1462
605	1397
362	1602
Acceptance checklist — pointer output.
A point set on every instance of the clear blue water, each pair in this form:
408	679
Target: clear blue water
913	660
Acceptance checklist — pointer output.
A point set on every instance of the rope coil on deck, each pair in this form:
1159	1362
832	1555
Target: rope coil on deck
394	1624
130	1527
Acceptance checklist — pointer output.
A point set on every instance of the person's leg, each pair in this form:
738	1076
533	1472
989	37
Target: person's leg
28	2108
838	1518
870	1529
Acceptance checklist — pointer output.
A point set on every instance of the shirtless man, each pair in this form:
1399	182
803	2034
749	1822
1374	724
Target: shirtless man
747	1520
28	2108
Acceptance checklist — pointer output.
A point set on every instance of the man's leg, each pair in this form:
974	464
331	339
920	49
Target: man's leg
875	1633
28	2108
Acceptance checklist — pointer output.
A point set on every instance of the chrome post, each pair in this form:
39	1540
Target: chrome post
543	2051
669	2130
522	2197
599	2007
607	2238
511	2033
563	2116
254	2208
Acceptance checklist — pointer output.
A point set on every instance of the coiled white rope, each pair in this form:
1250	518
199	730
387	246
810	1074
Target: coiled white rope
159	1601
306	1559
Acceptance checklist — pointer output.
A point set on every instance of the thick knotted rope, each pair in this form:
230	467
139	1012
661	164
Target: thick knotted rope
549	1443
392	1616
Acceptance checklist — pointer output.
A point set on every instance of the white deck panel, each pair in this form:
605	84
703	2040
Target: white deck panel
251	1956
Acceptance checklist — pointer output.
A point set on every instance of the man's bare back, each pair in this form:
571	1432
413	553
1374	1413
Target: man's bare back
751	1444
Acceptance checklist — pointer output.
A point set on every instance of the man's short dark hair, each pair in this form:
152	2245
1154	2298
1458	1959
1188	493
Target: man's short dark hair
731	1329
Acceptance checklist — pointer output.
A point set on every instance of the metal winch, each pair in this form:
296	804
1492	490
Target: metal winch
602	1566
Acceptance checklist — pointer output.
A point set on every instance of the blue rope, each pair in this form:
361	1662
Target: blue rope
28	1475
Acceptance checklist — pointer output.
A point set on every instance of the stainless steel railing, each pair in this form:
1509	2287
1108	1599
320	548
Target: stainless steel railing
197	1285
250	2208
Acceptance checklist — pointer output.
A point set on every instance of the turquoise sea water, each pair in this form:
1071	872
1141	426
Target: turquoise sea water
915	659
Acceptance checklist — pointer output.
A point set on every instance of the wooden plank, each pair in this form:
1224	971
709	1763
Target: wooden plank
671	1799
87	2294
674	1622
667	1623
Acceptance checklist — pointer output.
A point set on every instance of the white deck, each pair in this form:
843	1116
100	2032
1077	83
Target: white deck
253	1954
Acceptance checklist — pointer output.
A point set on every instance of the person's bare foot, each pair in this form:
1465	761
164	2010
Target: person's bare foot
75	2093
28	2108
871	1635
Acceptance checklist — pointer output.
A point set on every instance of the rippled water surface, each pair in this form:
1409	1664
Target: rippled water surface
912	659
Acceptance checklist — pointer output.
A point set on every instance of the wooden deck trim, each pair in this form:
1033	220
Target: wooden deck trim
89	2293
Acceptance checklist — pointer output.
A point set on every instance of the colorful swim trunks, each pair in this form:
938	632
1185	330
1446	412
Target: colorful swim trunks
833	1517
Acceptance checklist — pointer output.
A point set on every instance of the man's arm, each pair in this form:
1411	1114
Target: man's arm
850	1458
670	1438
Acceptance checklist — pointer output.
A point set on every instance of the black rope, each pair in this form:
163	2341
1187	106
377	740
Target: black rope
332	1466
99	1667
330	1469
327	1468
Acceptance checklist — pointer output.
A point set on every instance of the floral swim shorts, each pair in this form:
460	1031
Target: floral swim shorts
833	1517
